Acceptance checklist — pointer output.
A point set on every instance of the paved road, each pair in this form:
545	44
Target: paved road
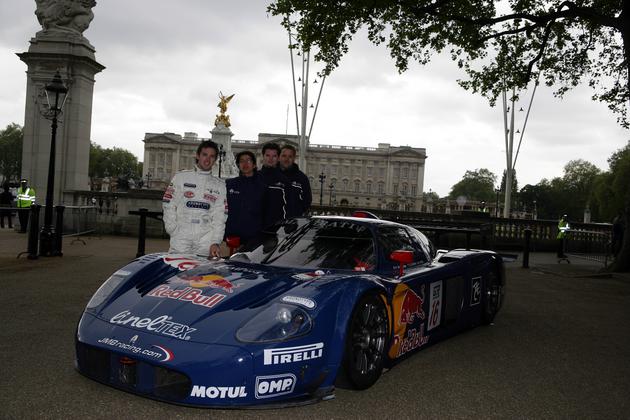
559	349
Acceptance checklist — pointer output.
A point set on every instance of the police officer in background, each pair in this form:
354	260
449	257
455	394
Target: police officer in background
276	185
195	207
246	196
299	195
563	226
25	199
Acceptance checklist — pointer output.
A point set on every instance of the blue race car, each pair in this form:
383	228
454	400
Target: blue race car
307	304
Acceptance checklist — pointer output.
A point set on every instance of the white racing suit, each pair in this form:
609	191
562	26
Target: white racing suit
195	211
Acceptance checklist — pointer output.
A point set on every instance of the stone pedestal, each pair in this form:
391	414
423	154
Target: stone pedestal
73	56
222	135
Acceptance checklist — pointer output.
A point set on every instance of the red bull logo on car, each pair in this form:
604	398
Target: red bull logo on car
214	281
411	307
409	318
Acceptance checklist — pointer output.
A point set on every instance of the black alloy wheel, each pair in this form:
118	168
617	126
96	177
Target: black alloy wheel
493	297
366	342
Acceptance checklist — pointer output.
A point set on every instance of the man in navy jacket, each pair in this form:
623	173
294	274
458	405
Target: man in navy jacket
246	196
299	195
276	185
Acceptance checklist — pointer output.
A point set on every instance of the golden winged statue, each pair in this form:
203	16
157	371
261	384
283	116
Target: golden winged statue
222	118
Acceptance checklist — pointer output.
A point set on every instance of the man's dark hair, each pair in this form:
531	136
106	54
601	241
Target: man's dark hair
208	143
245	153
272	146
289	147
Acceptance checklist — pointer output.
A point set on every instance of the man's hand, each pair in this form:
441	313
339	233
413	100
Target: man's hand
215	251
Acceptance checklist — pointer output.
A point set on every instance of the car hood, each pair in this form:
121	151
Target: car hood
209	302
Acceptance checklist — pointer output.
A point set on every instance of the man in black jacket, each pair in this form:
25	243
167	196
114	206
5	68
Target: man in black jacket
299	195
276	185
246	196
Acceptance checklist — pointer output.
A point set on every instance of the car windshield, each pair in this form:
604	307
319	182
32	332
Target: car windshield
313	244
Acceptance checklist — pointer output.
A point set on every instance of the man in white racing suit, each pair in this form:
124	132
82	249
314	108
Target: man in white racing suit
195	207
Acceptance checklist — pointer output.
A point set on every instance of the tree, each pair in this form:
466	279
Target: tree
562	41
114	162
475	185
11	153
611	192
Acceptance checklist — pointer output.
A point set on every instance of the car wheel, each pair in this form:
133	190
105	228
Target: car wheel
366	342
493	296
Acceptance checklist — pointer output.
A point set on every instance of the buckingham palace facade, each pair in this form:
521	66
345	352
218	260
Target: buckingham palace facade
383	177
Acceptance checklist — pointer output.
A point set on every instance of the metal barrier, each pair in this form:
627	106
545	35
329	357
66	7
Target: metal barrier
589	245
78	221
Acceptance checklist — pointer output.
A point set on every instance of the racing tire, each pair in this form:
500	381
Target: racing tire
366	342
493	297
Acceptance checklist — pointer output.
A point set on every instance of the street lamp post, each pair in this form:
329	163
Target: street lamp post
332	188
322	177
56	96
496	209
221	156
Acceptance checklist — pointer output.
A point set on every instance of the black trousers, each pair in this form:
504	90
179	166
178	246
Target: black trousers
23	214
7	214
561	248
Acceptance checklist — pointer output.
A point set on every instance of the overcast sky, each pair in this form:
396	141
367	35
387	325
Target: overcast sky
166	61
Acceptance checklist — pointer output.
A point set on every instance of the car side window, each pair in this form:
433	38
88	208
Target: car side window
423	241
393	238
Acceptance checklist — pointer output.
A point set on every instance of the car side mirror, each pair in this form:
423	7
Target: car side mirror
233	242
403	257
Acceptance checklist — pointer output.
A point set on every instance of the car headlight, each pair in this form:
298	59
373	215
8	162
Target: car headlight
278	322
106	289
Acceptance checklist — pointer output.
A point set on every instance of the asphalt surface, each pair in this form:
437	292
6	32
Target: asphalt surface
560	348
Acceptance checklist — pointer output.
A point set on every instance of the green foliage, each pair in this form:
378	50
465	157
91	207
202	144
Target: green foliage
11	153
563	42
570	194
476	185
114	162
611	189
514	182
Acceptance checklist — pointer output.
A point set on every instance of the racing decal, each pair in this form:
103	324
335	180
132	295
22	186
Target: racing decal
274	385
186	184
162	353
189	194
162	324
435	305
187	294
233	191
475	291
122	273
409	320
293	354
209	197
207	280
413	340
298	300
220	392
411	307
308	276
182	263
198	205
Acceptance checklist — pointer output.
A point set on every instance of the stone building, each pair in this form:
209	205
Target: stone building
384	177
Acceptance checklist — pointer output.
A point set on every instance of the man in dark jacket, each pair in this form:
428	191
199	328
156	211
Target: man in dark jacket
246	196
6	202
276	185
299	195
